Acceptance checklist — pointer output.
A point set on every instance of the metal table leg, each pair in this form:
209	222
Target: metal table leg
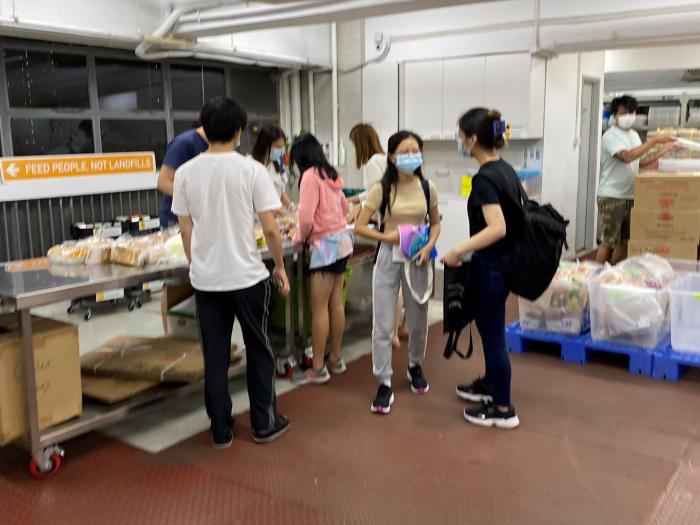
45	461
24	320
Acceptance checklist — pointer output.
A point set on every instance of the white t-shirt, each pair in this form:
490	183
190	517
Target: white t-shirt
373	170
279	180
223	192
617	177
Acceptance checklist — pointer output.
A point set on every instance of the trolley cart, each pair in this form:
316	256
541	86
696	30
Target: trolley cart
23	291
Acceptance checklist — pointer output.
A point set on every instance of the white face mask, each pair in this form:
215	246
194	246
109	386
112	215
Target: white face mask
626	121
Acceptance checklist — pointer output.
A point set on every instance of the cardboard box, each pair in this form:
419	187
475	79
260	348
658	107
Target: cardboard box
669	250
114	389
182	320
677	191
173	295
165	359
667	225
57	361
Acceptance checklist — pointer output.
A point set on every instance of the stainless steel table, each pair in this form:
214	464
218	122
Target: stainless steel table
24	290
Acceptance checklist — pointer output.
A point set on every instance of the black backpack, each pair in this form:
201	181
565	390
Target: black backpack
537	248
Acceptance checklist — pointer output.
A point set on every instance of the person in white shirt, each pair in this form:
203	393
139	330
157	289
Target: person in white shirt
217	196
622	156
370	157
269	151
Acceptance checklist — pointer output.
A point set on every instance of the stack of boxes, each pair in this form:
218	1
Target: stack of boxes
666	215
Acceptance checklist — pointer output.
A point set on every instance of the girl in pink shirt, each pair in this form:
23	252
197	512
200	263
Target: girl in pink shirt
322	225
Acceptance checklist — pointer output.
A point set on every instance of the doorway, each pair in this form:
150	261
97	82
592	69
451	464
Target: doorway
588	166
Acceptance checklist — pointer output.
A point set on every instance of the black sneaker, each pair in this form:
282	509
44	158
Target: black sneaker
281	426
478	392
382	403
221	442
488	415
418	383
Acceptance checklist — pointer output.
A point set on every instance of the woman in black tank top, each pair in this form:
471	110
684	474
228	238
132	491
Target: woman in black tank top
493	217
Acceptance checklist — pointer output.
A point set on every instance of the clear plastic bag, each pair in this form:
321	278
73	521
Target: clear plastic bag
629	302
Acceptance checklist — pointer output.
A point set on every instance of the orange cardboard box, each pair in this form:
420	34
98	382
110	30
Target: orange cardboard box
666	225
677	191
669	250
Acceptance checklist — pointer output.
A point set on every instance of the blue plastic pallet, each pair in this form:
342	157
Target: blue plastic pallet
670	365
577	348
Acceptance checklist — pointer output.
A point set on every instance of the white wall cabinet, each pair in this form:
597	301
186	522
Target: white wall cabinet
434	94
423	98
514	84
463	89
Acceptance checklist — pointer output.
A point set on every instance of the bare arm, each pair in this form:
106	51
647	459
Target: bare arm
495	231
648	160
362	228
166	180
273	238
186	232
631	155
286	201
271	231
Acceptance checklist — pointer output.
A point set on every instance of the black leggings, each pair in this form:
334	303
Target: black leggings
216	312
491	289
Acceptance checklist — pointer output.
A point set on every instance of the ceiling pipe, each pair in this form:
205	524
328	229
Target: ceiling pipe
238	12
313	13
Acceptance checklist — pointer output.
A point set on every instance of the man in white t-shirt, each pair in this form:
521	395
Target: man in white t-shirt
622	155
216	197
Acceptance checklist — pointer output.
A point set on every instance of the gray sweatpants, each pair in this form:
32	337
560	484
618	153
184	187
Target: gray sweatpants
388	276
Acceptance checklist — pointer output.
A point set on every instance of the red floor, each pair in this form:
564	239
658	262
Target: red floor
596	446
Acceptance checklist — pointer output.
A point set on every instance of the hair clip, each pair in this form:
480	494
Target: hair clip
499	127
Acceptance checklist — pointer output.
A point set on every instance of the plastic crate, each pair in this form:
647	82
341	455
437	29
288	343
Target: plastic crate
685	313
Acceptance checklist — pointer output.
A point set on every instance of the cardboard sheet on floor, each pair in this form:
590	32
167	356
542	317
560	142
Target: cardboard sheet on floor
112	390
164	359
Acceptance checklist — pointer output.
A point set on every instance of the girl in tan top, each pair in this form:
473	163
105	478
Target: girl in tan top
408	199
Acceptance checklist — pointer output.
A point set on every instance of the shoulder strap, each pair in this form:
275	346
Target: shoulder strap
426	191
382	208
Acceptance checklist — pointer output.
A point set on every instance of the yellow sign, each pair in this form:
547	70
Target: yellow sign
18	169
466	185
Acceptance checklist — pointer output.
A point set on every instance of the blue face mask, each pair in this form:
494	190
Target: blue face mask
460	148
409	162
276	154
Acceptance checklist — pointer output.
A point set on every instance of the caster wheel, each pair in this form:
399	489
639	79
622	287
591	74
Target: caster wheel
88	315
131	307
56	460
71	309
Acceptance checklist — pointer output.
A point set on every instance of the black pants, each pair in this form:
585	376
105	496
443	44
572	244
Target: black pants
217	312
491	289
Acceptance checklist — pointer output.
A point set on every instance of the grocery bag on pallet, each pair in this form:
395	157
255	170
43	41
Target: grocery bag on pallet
630	301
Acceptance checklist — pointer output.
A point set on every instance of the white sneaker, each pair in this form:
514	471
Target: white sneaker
310	377
337	367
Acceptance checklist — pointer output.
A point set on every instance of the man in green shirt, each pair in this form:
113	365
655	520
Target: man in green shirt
622	155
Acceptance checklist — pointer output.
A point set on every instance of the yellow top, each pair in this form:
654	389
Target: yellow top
407	208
